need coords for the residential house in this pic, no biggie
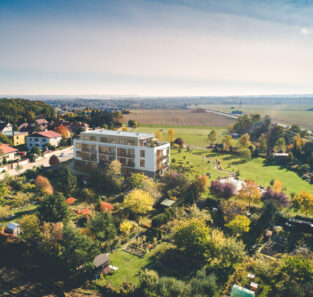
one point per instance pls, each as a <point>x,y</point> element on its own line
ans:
<point>43,138</point>
<point>6,129</point>
<point>102,264</point>
<point>137,152</point>
<point>12,228</point>
<point>19,138</point>
<point>78,127</point>
<point>43,123</point>
<point>8,153</point>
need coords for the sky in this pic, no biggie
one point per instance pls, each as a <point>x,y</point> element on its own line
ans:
<point>156,47</point>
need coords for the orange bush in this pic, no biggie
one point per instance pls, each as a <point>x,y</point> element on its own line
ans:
<point>43,185</point>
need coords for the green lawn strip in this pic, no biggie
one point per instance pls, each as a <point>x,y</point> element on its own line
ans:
<point>129,266</point>
<point>192,136</point>
<point>256,170</point>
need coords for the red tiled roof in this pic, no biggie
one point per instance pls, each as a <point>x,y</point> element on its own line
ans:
<point>41,121</point>
<point>6,149</point>
<point>49,134</point>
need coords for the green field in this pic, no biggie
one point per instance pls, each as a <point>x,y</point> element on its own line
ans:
<point>193,136</point>
<point>255,169</point>
<point>194,163</point>
<point>283,113</point>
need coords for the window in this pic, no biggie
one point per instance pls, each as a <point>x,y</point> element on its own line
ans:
<point>86,138</point>
<point>93,138</point>
<point>142,154</point>
<point>142,163</point>
<point>104,139</point>
<point>78,146</point>
<point>78,154</point>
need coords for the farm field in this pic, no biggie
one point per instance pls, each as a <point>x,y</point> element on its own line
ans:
<point>192,136</point>
<point>182,117</point>
<point>285,114</point>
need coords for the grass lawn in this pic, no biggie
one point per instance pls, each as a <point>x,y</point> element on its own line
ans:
<point>256,170</point>
<point>192,136</point>
<point>194,163</point>
<point>129,266</point>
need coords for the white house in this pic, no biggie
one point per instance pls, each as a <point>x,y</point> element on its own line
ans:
<point>40,139</point>
<point>7,152</point>
<point>6,129</point>
<point>12,228</point>
<point>137,152</point>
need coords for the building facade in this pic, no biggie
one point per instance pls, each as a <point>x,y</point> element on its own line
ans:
<point>6,129</point>
<point>8,153</point>
<point>41,139</point>
<point>19,138</point>
<point>137,152</point>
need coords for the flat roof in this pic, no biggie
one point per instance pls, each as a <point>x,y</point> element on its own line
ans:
<point>119,133</point>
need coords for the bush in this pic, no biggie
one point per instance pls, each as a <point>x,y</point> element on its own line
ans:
<point>280,198</point>
<point>222,190</point>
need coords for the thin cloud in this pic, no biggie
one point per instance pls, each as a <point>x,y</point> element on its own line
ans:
<point>305,31</point>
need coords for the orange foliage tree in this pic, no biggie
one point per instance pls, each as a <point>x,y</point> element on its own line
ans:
<point>64,131</point>
<point>277,186</point>
<point>43,185</point>
<point>250,191</point>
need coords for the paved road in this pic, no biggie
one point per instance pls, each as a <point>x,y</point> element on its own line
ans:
<point>63,156</point>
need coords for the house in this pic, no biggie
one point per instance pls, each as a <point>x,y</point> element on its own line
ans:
<point>19,138</point>
<point>137,152</point>
<point>25,127</point>
<point>12,228</point>
<point>6,129</point>
<point>43,123</point>
<point>102,264</point>
<point>8,153</point>
<point>78,127</point>
<point>43,138</point>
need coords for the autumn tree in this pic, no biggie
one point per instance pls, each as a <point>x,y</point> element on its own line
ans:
<point>244,141</point>
<point>50,236</point>
<point>64,131</point>
<point>212,137</point>
<point>280,145</point>
<point>304,202</point>
<point>239,225</point>
<point>114,168</point>
<point>30,227</point>
<point>277,186</point>
<point>170,135</point>
<point>5,212</point>
<point>250,191</point>
<point>54,161</point>
<point>126,226</point>
<point>202,183</point>
<point>227,142</point>
<point>192,237</point>
<point>139,201</point>
<point>158,134</point>
<point>43,185</point>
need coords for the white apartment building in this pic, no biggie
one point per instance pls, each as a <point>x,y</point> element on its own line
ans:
<point>137,152</point>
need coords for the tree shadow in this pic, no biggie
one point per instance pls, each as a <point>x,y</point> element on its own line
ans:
<point>239,162</point>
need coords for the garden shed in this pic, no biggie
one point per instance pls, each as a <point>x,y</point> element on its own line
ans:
<point>12,228</point>
<point>102,264</point>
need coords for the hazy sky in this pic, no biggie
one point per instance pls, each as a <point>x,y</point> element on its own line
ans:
<point>156,47</point>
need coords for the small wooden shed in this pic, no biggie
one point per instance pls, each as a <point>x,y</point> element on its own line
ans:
<point>102,264</point>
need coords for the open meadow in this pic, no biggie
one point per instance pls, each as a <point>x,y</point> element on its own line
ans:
<point>283,113</point>
<point>177,117</point>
